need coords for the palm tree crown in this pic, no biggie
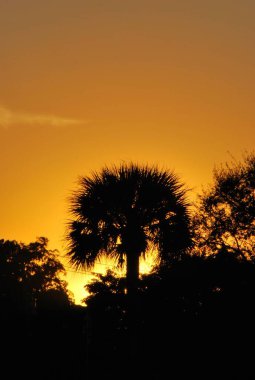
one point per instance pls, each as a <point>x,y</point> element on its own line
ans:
<point>123,211</point>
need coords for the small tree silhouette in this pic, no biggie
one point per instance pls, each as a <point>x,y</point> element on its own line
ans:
<point>27,272</point>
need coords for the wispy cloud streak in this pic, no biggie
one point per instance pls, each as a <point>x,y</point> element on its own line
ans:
<point>9,118</point>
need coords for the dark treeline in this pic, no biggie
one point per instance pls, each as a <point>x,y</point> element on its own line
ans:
<point>38,319</point>
<point>191,317</point>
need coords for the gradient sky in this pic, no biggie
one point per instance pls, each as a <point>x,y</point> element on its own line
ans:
<point>89,83</point>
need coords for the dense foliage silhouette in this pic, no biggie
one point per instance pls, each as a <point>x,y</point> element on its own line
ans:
<point>195,319</point>
<point>225,214</point>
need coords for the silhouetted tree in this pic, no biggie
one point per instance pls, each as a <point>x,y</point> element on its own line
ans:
<point>105,284</point>
<point>107,311</point>
<point>53,300</point>
<point>27,271</point>
<point>124,211</point>
<point>225,216</point>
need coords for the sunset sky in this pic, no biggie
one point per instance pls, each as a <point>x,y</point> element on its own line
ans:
<point>84,83</point>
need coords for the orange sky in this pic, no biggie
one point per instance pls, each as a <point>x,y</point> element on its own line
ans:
<point>88,83</point>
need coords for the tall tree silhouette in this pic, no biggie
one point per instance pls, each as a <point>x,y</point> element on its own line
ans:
<point>123,212</point>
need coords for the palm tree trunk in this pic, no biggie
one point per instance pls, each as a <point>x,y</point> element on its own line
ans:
<point>132,273</point>
<point>132,309</point>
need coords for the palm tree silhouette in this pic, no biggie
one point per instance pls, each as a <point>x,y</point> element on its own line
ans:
<point>122,212</point>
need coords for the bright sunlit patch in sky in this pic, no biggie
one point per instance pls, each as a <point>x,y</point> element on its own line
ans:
<point>81,277</point>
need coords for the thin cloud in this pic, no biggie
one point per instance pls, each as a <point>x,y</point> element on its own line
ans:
<point>9,118</point>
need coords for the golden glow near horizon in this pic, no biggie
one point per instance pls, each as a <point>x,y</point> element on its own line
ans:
<point>82,276</point>
<point>89,83</point>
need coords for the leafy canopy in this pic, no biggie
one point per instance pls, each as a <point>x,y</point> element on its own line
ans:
<point>225,217</point>
<point>27,272</point>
